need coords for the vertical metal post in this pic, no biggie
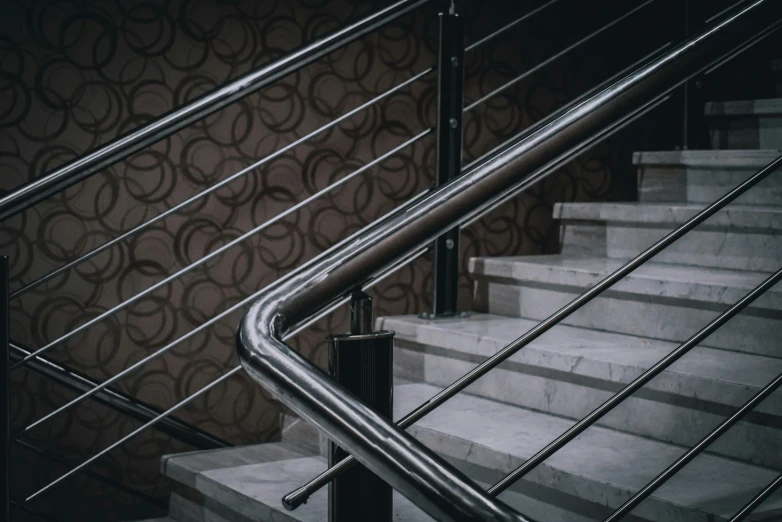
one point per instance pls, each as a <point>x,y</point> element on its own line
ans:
<point>450,92</point>
<point>5,392</point>
<point>362,361</point>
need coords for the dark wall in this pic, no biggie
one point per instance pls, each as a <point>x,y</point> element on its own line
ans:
<point>76,74</point>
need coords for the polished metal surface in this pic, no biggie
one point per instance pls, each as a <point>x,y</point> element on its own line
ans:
<point>755,503</point>
<point>696,450</point>
<point>116,400</point>
<point>215,187</point>
<point>5,394</point>
<point>122,147</point>
<point>218,251</point>
<point>408,466</point>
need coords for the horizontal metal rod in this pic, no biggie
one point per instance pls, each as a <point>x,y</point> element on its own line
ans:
<point>747,46</point>
<point>573,103</point>
<point>214,253</point>
<point>555,57</point>
<point>218,317</point>
<point>166,125</point>
<point>509,26</point>
<point>578,428</point>
<point>214,188</point>
<point>300,495</point>
<point>116,484</point>
<point>116,400</point>
<point>696,450</point>
<point>756,502</point>
<point>380,277</point>
<point>132,434</point>
<point>423,477</point>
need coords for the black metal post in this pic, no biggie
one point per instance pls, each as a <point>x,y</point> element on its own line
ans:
<point>5,393</point>
<point>450,91</point>
<point>362,361</point>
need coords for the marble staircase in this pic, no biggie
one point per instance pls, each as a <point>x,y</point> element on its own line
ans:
<point>537,394</point>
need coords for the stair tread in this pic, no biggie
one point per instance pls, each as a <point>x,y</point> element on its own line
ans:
<point>769,106</point>
<point>749,158</point>
<point>501,436</point>
<point>733,216</point>
<point>705,373</point>
<point>247,487</point>
<point>667,280</point>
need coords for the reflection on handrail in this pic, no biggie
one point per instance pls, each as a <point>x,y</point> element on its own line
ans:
<point>213,188</point>
<point>114,151</point>
<point>408,466</point>
<point>379,278</point>
<point>226,312</point>
<point>696,450</point>
<point>555,57</point>
<point>504,28</point>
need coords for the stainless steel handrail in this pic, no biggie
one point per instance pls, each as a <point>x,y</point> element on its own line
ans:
<point>217,186</point>
<point>211,255</point>
<point>120,148</point>
<point>408,466</point>
<point>298,328</point>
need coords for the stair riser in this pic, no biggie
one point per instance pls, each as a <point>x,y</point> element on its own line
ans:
<point>709,246</point>
<point>675,184</point>
<point>746,132</point>
<point>658,417</point>
<point>468,456</point>
<point>752,331</point>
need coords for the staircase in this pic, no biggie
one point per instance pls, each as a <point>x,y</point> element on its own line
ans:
<point>507,416</point>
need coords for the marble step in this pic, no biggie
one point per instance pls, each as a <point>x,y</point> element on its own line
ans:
<point>570,371</point>
<point>657,300</point>
<point>740,237</point>
<point>246,484</point>
<point>746,124</point>
<point>702,176</point>
<point>592,475</point>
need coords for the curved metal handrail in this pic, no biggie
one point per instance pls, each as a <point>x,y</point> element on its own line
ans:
<point>404,463</point>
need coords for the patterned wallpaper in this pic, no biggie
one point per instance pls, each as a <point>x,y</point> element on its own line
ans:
<point>77,73</point>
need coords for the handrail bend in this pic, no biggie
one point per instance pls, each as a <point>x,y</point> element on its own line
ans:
<point>404,463</point>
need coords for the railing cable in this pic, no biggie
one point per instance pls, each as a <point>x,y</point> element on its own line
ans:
<point>555,57</point>
<point>509,26</point>
<point>379,278</point>
<point>226,312</point>
<point>295,498</point>
<point>693,452</point>
<point>756,502</point>
<point>213,188</point>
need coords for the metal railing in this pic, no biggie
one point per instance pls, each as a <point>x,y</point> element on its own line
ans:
<point>320,286</point>
<point>382,446</point>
